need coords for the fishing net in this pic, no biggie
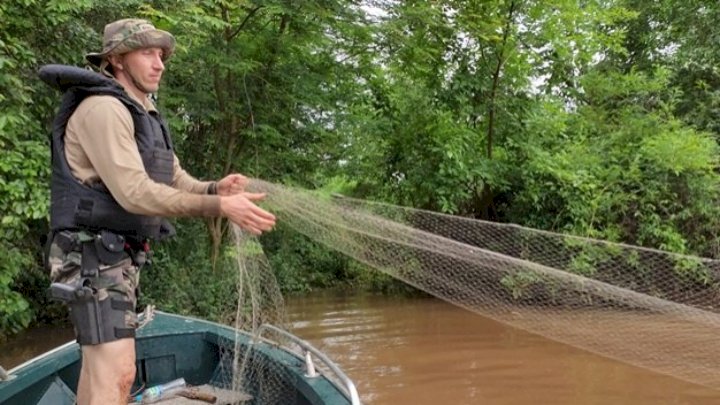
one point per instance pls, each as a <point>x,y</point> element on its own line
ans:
<point>644,307</point>
<point>244,368</point>
<point>255,373</point>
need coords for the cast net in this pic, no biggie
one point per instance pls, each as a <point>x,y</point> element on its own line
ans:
<point>260,365</point>
<point>246,369</point>
<point>640,306</point>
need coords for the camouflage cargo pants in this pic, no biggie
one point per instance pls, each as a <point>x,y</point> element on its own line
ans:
<point>118,281</point>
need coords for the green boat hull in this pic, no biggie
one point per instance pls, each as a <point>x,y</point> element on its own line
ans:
<point>171,347</point>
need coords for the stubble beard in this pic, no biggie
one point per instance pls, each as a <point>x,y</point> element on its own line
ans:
<point>138,84</point>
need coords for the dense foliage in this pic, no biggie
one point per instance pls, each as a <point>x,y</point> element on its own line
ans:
<point>598,118</point>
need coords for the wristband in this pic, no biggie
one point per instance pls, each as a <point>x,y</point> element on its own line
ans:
<point>212,188</point>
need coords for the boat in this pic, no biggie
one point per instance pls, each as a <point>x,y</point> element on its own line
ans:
<point>171,346</point>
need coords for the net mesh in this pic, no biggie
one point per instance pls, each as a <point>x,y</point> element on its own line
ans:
<point>246,369</point>
<point>253,372</point>
<point>644,307</point>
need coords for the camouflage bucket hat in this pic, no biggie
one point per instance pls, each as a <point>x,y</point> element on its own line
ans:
<point>130,34</point>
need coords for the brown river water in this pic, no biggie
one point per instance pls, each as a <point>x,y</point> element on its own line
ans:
<point>424,351</point>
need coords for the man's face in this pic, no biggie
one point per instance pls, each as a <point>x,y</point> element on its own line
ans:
<point>144,68</point>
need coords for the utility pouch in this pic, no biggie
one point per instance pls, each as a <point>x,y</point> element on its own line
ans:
<point>110,247</point>
<point>67,241</point>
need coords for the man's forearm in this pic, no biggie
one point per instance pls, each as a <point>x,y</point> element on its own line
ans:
<point>182,180</point>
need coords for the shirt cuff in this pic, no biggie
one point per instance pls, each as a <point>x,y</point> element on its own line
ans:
<point>210,206</point>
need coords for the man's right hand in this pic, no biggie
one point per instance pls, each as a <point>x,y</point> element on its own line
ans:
<point>240,209</point>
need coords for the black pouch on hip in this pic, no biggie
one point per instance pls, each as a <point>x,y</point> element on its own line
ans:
<point>110,247</point>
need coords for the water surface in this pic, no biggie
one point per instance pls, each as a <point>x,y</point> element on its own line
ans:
<point>424,351</point>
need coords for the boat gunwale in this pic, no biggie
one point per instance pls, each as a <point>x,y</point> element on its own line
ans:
<point>39,357</point>
<point>70,352</point>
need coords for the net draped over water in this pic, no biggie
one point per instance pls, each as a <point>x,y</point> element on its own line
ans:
<point>644,307</point>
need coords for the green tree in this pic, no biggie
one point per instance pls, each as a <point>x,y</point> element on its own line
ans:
<point>621,167</point>
<point>460,79</point>
<point>31,34</point>
<point>681,36</point>
<point>256,87</point>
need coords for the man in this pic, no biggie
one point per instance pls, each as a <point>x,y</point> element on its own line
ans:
<point>115,177</point>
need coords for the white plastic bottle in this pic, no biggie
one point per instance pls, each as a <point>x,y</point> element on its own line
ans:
<point>160,392</point>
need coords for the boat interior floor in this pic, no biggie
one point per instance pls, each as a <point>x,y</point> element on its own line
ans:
<point>223,396</point>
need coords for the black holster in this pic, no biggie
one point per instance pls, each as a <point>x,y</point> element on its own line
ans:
<point>95,321</point>
<point>100,321</point>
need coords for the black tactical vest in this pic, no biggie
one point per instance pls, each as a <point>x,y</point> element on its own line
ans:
<point>74,205</point>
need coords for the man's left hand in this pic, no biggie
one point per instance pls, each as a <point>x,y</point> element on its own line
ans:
<point>232,184</point>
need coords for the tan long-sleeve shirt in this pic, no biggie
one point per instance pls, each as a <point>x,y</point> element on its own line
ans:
<point>100,145</point>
